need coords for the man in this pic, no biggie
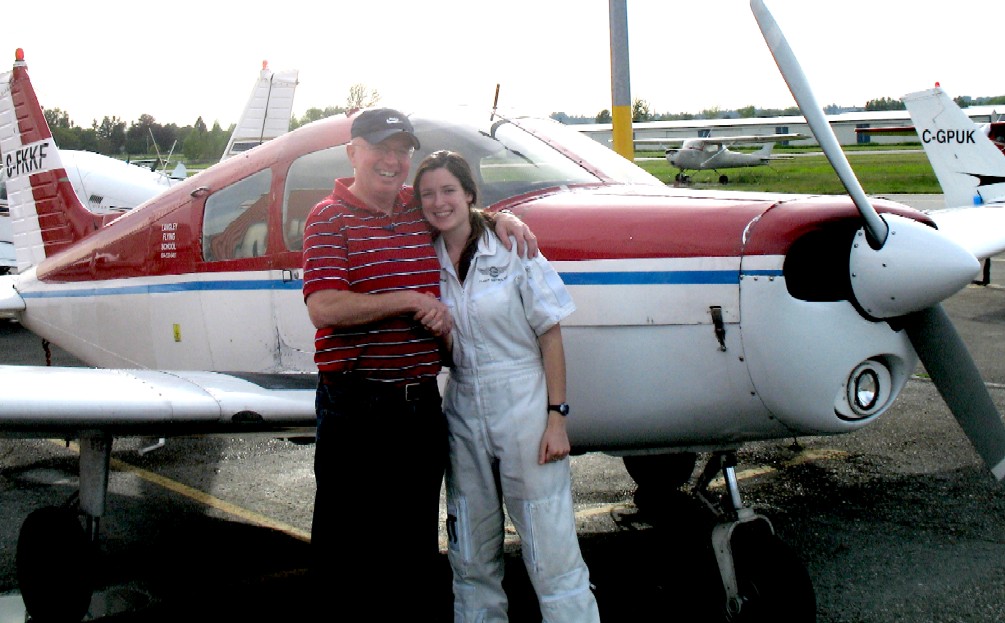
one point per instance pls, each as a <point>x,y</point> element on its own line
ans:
<point>371,285</point>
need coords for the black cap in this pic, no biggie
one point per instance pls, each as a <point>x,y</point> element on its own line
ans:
<point>377,124</point>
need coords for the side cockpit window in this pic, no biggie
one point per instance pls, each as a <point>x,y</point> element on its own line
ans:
<point>310,180</point>
<point>235,220</point>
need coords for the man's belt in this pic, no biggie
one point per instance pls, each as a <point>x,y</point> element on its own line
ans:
<point>362,386</point>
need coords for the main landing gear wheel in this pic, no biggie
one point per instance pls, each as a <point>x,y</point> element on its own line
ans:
<point>772,583</point>
<point>723,180</point>
<point>53,554</point>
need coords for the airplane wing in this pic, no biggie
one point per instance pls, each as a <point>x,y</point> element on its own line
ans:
<point>661,141</point>
<point>895,130</point>
<point>698,141</point>
<point>757,138</point>
<point>151,402</point>
<point>980,230</point>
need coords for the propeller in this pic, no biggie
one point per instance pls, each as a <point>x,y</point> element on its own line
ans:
<point>926,268</point>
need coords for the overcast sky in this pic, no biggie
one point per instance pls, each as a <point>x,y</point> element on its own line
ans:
<point>182,59</point>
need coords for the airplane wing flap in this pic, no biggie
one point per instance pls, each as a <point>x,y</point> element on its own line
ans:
<point>980,230</point>
<point>41,401</point>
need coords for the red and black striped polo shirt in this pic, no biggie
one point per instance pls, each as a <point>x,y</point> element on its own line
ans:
<point>348,246</point>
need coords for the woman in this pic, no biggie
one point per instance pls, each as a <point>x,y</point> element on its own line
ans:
<point>505,407</point>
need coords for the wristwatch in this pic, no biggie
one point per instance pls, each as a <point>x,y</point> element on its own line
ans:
<point>563,408</point>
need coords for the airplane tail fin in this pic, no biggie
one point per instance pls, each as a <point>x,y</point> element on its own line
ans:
<point>765,149</point>
<point>267,113</point>
<point>970,169</point>
<point>46,215</point>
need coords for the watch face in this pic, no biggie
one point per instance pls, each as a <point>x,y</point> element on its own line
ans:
<point>563,408</point>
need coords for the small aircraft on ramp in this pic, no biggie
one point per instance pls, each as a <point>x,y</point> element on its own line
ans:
<point>714,153</point>
<point>705,320</point>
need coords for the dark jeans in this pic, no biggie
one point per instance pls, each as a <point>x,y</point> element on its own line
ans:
<point>378,463</point>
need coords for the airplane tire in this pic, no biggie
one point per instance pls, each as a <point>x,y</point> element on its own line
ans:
<point>53,563</point>
<point>774,584</point>
<point>723,180</point>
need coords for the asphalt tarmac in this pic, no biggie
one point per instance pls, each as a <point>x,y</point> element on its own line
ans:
<point>897,522</point>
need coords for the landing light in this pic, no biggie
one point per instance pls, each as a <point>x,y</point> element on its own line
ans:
<point>866,391</point>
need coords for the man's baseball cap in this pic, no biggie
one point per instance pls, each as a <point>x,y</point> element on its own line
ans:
<point>377,124</point>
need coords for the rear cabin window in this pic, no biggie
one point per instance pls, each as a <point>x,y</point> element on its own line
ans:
<point>310,179</point>
<point>235,222</point>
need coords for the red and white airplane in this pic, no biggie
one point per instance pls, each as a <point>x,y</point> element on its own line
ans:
<point>104,184</point>
<point>706,319</point>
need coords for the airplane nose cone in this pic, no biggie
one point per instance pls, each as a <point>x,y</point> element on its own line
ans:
<point>916,268</point>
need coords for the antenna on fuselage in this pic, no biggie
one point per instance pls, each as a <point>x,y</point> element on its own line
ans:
<point>495,103</point>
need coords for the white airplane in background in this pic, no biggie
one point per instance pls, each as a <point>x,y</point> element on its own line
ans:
<point>704,319</point>
<point>968,158</point>
<point>108,185</point>
<point>969,165</point>
<point>714,153</point>
<point>267,114</point>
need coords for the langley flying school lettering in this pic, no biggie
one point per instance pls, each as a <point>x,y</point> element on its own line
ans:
<point>27,160</point>
<point>944,137</point>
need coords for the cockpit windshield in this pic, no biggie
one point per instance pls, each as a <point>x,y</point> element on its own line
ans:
<point>510,158</point>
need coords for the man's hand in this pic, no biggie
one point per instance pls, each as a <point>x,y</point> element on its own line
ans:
<point>434,315</point>
<point>509,225</point>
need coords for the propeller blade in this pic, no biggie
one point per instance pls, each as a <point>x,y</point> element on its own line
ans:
<point>932,334</point>
<point>792,72</point>
<point>954,373</point>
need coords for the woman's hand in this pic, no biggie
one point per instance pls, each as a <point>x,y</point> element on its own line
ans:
<point>555,441</point>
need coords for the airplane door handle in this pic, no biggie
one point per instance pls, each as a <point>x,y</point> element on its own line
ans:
<point>720,328</point>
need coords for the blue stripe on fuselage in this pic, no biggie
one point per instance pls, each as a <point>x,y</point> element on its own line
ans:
<point>614,278</point>
<point>681,277</point>
<point>162,288</point>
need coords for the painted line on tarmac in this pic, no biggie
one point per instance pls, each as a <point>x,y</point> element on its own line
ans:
<point>199,496</point>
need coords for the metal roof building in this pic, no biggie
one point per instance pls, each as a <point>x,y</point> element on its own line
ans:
<point>844,125</point>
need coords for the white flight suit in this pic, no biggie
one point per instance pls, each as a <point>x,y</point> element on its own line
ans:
<point>496,407</point>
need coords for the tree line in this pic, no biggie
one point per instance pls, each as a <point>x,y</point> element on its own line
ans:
<point>199,143</point>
